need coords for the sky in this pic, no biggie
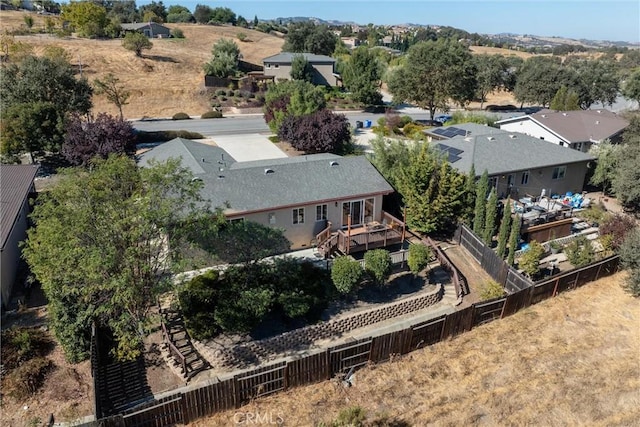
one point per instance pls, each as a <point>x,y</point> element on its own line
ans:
<point>613,20</point>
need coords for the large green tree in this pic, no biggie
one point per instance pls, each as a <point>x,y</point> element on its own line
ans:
<point>433,74</point>
<point>492,72</point>
<point>607,155</point>
<point>291,98</point>
<point>596,81</point>
<point>136,42</point>
<point>361,75</point>
<point>301,69</point>
<point>224,59</point>
<point>86,17</point>
<point>115,92</point>
<point>101,247</point>
<point>539,79</point>
<point>311,38</point>
<point>479,213</point>
<point>36,95</point>
<point>631,88</point>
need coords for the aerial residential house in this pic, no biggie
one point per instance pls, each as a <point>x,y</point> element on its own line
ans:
<point>518,165</point>
<point>575,129</point>
<point>319,200</point>
<point>16,186</point>
<point>279,66</point>
<point>149,29</point>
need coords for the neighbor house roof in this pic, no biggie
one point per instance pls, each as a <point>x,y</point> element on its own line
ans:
<point>140,25</point>
<point>199,158</point>
<point>577,126</point>
<point>15,185</point>
<point>277,183</point>
<point>500,152</point>
<point>287,58</point>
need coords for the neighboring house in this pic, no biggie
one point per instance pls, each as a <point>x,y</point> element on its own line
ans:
<point>279,66</point>
<point>149,29</point>
<point>517,164</point>
<point>578,129</point>
<point>303,195</point>
<point>16,185</point>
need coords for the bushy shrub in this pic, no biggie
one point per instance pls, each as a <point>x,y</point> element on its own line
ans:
<point>419,255</point>
<point>319,132</point>
<point>198,299</point>
<point>580,252</point>
<point>617,226</point>
<point>630,259</point>
<point>413,130</point>
<point>180,116</point>
<point>237,93</point>
<point>166,135</point>
<point>22,344</point>
<point>346,274</point>
<point>530,259</point>
<point>221,92</point>
<point>378,264</point>
<point>241,36</point>
<point>490,290</point>
<point>177,33</point>
<point>212,115</point>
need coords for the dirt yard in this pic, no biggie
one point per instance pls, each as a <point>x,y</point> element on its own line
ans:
<point>168,79</point>
<point>569,361</point>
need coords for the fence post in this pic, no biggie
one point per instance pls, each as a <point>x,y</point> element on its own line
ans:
<point>555,288</point>
<point>598,272</point>
<point>236,392</point>
<point>285,376</point>
<point>327,361</point>
<point>184,409</point>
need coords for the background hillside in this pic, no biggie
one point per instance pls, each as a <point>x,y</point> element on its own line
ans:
<point>167,80</point>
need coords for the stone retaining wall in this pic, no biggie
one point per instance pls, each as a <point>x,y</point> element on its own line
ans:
<point>289,342</point>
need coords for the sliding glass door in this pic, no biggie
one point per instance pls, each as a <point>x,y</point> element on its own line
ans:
<point>361,211</point>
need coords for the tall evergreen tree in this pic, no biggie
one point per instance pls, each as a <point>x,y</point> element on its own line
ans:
<point>490,217</point>
<point>514,239</point>
<point>470,196</point>
<point>505,226</point>
<point>482,188</point>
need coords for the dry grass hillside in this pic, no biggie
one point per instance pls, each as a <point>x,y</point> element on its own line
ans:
<point>167,80</point>
<point>569,361</point>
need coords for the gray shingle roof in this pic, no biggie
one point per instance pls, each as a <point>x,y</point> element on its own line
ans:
<point>192,154</point>
<point>15,183</point>
<point>287,58</point>
<point>293,181</point>
<point>139,25</point>
<point>578,126</point>
<point>501,152</point>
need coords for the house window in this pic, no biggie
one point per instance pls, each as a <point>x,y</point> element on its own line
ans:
<point>559,172</point>
<point>493,182</point>
<point>321,212</point>
<point>524,180</point>
<point>276,65</point>
<point>272,218</point>
<point>511,178</point>
<point>268,65</point>
<point>298,216</point>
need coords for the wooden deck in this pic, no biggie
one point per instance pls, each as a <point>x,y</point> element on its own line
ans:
<point>362,238</point>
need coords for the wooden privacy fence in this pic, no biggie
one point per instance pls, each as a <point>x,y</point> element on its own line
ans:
<point>187,405</point>
<point>496,267</point>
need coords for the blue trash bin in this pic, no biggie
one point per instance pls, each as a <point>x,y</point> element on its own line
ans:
<point>367,123</point>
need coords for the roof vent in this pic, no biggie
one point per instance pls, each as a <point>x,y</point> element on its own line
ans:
<point>564,114</point>
<point>268,171</point>
<point>490,138</point>
<point>196,178</point>
<point>220,176</point>
<point>512,136</point>
<point>599,112</point>
<point>334,163</point>
<point>544,116</point>
<point>468,139</point>
<point>597,122</point>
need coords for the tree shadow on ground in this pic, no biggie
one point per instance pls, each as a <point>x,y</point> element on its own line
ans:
<point>161,58</point>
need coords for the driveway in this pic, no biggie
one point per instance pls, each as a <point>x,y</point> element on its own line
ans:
<point>245,148</point>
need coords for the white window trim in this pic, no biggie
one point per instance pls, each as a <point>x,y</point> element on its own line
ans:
<point>297,221</point>
<point>324,209</point>
<point>524,181</point>
<point>559,175</point>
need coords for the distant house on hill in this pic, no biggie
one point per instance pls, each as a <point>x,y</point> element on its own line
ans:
<point>578,129</point>
<point>149,29</point>
<point>279,66</point>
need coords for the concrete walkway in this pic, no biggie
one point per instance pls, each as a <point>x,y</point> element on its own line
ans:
<point>245,148</point>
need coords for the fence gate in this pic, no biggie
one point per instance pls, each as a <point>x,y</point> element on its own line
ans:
<point>260,382</point>
<point>350,355</point>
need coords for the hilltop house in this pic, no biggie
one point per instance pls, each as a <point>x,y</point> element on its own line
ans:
<point>314,198</point>
<point>575,129</point>
<point>16,186</point>
<point>517,164</point>
<point>149,29</point>
<point>279,66</point>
